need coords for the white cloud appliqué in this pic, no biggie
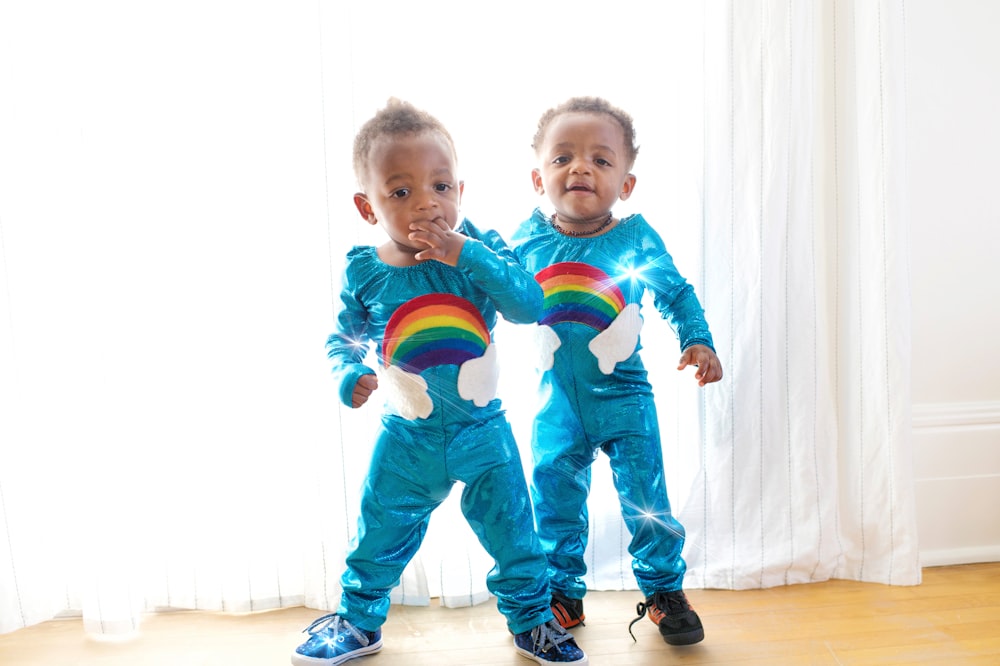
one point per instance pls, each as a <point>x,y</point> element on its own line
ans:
<point>478,377</point>
<point>546,343</point>
<point>617,342</point>
<point>405,393</point>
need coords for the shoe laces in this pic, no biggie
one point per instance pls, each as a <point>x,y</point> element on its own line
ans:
<point>546,636</point>
<point>336,624</point>
<point>666,602</point>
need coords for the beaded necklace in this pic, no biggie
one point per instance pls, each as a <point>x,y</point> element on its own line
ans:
<point>570,232</point>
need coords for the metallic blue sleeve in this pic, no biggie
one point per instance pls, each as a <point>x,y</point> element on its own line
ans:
<point>491,265</point>
<point>673,296</point>
<point>348,345</point>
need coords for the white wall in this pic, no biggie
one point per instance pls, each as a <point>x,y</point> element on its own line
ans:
<point>953,132</point>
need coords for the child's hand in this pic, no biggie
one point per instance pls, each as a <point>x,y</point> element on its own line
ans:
<point>708,364</point>
<point>443,243</point>
<point>363,389</point>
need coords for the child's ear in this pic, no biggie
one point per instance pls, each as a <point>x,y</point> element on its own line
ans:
<point>365,208</point>
<point>627,187</point>
<point>536,181</point>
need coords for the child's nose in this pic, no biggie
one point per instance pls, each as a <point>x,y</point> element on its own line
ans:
<point>427,200</point>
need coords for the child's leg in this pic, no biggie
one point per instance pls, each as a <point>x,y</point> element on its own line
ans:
<point>405,483</point>
<point>657,537</point>
<point>560,486</point>
<point>496,504</point>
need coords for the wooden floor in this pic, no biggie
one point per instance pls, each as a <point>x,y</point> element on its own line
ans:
<point>952,618</point>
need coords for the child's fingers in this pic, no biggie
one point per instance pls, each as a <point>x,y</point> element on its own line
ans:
<point>434,228</point>
<point>709,373</point>
<point>434,252</point>
<point>428,239</point>
<point>363,389</point>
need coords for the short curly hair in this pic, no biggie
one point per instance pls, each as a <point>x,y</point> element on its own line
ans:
<point>396,119</point>
<point>596,106</point>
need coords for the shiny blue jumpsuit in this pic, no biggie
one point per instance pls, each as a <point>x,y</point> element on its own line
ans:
<point>417,460</point>
<point>588,284</point>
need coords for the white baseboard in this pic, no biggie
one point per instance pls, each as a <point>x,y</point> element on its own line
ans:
<point>941,558</point>
<point>957,481</point>
<point>956,414</point>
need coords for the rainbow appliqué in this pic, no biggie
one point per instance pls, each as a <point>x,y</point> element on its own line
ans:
<point>432,330</point>
<point>578,292</point>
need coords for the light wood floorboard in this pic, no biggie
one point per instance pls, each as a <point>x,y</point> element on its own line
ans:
<point>952,618</point>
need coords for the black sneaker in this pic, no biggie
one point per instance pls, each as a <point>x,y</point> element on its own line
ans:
<point>549,643</point>
<point>673,615</point>
<point>568,612</point>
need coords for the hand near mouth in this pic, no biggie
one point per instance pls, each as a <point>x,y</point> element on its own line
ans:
<point>443,243</point>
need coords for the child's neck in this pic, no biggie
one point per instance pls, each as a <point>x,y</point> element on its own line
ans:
<point>391,254</point>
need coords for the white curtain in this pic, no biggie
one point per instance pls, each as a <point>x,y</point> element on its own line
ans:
<point>175,198</point>
<point>806,453</point>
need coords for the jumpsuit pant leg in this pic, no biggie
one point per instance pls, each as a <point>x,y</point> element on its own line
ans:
<point>657,537</point>
<point>497,506</point>
<point>404,485</point>
<point>561,478</point>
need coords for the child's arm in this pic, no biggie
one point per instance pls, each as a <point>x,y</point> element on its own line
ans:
<point>484,257</point>
<point>347,347</point>
<point>682,309</point>
<point>489,262</point>
<point>677,302</point>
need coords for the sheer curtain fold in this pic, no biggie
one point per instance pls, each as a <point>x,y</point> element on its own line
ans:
<point>171,230</point>
<point>805,472</point>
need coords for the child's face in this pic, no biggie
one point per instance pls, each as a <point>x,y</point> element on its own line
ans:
<point>583,166</point>
<point>410,179</point>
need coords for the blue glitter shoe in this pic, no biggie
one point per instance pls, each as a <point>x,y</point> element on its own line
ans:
<point>333,640</point>
<point>549,643</point>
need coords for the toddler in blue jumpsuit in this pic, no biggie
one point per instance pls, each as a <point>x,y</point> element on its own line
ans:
<point>428,298</point>
<point>593,270</point>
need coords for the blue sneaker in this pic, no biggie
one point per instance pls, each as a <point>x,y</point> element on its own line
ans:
<point>333,640</point>
<point>549,643</point>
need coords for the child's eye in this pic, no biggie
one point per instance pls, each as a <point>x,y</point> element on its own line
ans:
<point>442,187</point>
<point>602,162</point>
<point>401,193</point>
<point>562,159</point>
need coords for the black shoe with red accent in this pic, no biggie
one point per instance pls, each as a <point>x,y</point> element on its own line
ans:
<point>673,616</point>
<point>568,612</point>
